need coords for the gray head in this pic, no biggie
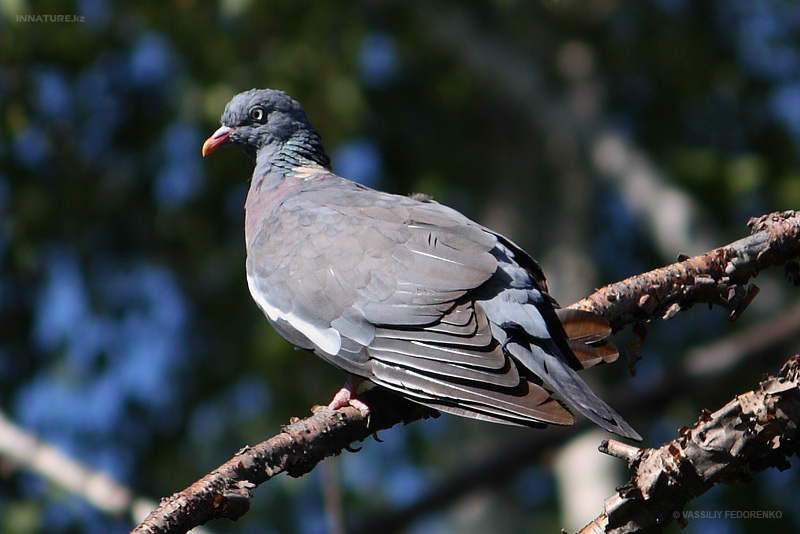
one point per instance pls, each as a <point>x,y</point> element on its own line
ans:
<point>269,122</point>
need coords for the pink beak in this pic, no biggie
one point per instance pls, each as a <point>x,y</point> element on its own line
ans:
<point>219,138</point>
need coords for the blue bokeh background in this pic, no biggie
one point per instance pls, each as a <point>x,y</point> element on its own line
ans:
<point>127,337</point>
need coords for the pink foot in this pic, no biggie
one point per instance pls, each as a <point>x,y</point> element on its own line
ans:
<point>347,397</point>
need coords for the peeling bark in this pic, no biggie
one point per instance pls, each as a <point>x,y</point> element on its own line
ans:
<point>719,277</point>
<point>753,432</point>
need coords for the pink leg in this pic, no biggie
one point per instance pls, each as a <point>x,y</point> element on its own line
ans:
<point>347,397</point>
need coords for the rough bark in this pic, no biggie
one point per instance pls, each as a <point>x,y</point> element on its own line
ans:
<point>296,450</point>
<point>720,276</point>
<point>755,431</point>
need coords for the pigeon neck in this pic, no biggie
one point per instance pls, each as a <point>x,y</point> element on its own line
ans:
<point>303,149</point>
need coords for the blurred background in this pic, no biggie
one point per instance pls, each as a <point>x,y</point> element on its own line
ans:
<point>606,137</point>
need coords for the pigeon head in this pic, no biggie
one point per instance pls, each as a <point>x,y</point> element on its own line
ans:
<point>269,124</point>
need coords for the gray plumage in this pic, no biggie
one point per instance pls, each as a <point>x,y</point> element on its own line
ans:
<point>402,291</point>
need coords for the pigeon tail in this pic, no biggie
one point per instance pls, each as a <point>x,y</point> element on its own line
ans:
<point>566,383</point>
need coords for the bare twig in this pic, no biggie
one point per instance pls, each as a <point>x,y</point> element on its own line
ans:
<point>753,432</point>
<point>620,450</point>
<point>719,276</point>
<point>300,446</point>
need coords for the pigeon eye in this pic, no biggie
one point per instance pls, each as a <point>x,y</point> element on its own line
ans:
<point>257,113</point>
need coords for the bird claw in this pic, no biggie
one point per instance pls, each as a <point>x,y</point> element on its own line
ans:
<point>345,400</point>
<point>347,397</point>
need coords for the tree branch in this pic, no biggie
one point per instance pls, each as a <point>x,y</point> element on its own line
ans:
<point>301,445</point>
<point>753,432</point>
<point>717,277</point>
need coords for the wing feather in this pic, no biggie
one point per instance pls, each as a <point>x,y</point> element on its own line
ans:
<point>529,402</point>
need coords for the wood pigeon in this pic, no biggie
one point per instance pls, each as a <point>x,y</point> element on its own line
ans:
<point>402,291</point>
